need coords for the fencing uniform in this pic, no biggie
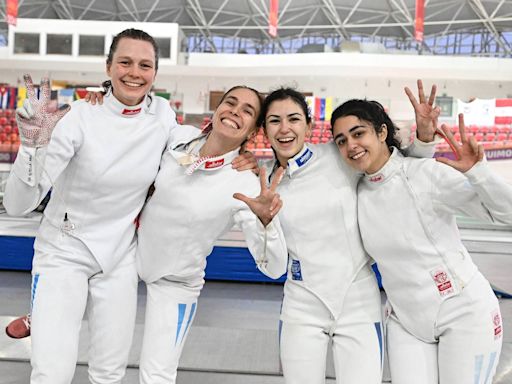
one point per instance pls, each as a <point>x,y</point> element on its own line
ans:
<point>101,161</point>
<point>445,323</point>
<point>192,206</point>
<point>331,294</point>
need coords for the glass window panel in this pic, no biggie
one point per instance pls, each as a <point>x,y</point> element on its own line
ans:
<point>58,44</point>
<point>26,43</point>
<point>164,45</point>
<point>91,45</point>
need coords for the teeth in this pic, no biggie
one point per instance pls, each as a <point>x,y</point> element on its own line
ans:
<point>358,155</point>
<point>132,84</point>
<point>285,140</point>
<point>231,123</point>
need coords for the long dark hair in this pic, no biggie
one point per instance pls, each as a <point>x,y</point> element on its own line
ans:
<point>130,33</point>
<point>372,112</point>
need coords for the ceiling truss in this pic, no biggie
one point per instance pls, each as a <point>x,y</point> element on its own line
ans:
<point>242,25</point>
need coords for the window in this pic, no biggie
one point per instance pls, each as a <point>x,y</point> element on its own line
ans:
<point>58,44</point>
<point>164,45</point>
<point>26,43</point>
<point>91,45</point>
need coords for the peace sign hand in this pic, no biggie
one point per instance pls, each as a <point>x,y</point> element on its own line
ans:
<point>426,113</point>
<point>36,120</point>
<point>268,203</point>
<point>467,153</point>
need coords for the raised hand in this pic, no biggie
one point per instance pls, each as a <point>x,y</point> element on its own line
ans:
<point>467,153</point>
<point>268,203</point>
<point>36,120</point>
<point>94,97</point>
<point>426,114</point>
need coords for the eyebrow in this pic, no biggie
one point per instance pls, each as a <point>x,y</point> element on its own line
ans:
<point>350,130</point>
<point>236,99</point>
<point>290,115</point>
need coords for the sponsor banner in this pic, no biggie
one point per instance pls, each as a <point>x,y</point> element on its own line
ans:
<point>419,20</point>
<point>490,154</point>
<point>273,18</point>
<point>6,157</point>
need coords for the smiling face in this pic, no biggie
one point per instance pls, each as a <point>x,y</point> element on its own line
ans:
<point>287,128</point>
<point>235,118</point>
<point>360,145</point>
<point>132,70</point>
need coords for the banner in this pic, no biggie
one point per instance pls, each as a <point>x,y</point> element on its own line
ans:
<point>272,18</point>
<point>420,18</point>
<point>11,11</point>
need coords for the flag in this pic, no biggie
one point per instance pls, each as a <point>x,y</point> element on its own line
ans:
<point>419,20</point>
<point>80,93</point>
<point>310,100</point>
<point>65,96</point>
<point>503,111</point>
<point>272,18</point>
<point>22,95</point>
<point>328,108</point>
<point>11,11</point>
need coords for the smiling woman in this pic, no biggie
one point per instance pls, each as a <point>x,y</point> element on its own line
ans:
<point>132,64</point>
<point>444,322</point>
<point>85,247</point>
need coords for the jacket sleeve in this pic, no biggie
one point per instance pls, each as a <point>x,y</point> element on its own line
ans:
<point>478,193</point>
<point>421,149</point>
<point>35,170</point>
<point>266,244</point>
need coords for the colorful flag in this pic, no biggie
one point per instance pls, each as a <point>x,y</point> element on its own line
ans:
<point>11,11</point>
<point>328,108</point>
<point>273,17</point>
<point>503,111</point>
<point>419,20</point>
<point>65,96</point>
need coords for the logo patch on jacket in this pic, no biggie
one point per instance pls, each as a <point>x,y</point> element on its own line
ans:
<point>214,164</point>
<point>129,112</point>
<point>295,270</point>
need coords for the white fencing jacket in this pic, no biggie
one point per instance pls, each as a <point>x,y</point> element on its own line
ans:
<point>319,221</point>
<point>101,161</point>
<point>192,206</point>
<point>407,219</point>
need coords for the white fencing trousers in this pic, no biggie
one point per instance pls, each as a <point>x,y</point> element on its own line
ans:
<point>65,279</point>
<point>356,336</point>
<point>470,335</point>
<point>170,311</point>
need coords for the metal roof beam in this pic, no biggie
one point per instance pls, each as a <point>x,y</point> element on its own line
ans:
<point>128,10</point>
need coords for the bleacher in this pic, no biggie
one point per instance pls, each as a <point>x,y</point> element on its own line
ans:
<point>496,136</point>
<point>9,136</point>
<point>260,146</point>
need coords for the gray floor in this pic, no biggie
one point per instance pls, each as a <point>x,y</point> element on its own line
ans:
<point>233,339</point>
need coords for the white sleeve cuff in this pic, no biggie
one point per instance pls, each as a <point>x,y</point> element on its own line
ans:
<point>28,165</point>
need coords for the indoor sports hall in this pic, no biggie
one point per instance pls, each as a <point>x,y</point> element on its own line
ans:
<point>330,51</point>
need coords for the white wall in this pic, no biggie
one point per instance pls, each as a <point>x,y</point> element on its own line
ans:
<point>340,75</point>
